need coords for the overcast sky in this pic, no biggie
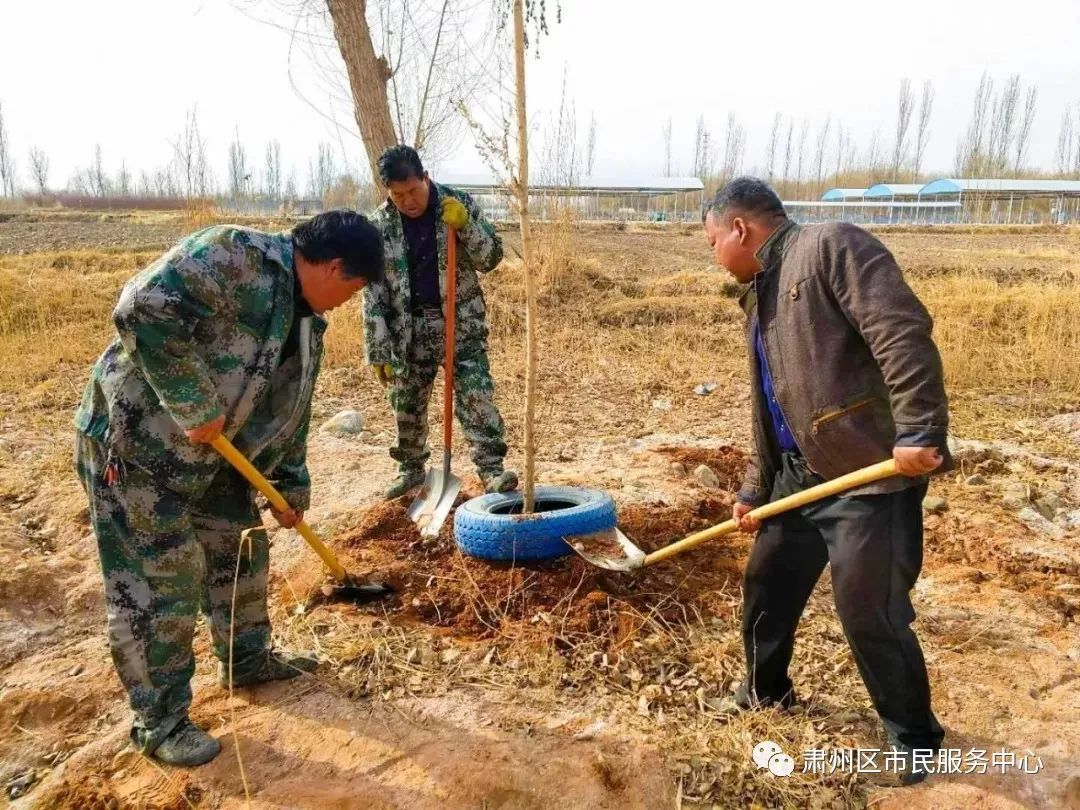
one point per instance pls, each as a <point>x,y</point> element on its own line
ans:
<point>122,73</point>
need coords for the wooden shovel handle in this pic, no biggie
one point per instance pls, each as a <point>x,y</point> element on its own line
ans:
<point>867,475</point>
<point>451,320</point>
<point>256,479</point>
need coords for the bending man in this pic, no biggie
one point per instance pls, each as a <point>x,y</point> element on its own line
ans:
<point>223,334</point>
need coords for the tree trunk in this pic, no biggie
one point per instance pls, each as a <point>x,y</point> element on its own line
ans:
<point>368,75</point>
<point>527,249</point>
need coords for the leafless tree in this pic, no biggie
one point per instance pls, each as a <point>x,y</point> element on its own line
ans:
<point>840,143</point>
<point>272,173</point>
<point>1003,126</point>
<point>190,155</point>
<point>560,158</point>
<point>770,154</point>
<point>369,73</point>
<point>239,174</point>
<point>873,157</point>
<point>1076,142</point>
<point>39,169</point>
<point>974,150</point>
<point>1023,134</point>
<point>590,145</point>
<point>99,181</point>
<point>7,162</point>
<point>787,150</point>
<point>667,147</point>
<point>922,131</point>
<point>323,172</point>
<point>290,186</point>
<point>123,180</point>
<point>819,155</point>
<point>1065,144</point>
<point>403,67</point>
<point>803,132</point>
<point>905,103</point>
<point>699,133</point>
<point>734,143</point>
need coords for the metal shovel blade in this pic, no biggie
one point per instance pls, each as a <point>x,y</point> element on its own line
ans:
<point>434,501</point>
<point>593,549</point>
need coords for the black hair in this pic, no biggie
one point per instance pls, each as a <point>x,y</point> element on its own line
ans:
<point>345,235</point>
<point>748,196</point>
<point>398,163</point>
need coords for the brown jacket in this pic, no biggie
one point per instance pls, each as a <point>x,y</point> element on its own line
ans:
<point>850,353</point>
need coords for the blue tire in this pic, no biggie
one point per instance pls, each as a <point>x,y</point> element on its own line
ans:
<point>491,527</point>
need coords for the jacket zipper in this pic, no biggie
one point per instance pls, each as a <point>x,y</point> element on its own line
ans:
<point>837,414</point>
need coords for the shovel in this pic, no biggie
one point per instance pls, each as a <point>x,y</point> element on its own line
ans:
<point>435,500</point>
<point>348,588</point>
<point>636,558</point>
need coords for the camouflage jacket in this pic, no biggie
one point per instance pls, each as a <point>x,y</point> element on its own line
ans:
<point>387,321</point>
<point>201,333</point>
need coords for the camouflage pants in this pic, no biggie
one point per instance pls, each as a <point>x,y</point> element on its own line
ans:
<point>474,400</point>
<point>162,558</point>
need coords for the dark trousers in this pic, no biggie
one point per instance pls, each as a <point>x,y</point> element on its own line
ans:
<point>874,546</point>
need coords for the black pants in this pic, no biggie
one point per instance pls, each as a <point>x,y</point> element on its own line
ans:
<point>874,544</point>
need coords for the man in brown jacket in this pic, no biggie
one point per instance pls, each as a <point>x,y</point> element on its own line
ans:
<point>844,373</point>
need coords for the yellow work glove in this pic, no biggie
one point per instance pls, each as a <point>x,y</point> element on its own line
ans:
<point>454,213</point>
<point>384,372</point>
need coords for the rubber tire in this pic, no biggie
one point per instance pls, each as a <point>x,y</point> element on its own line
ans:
<point>481,532</point>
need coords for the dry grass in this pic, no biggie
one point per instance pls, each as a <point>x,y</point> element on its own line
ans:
<point>995,336</point>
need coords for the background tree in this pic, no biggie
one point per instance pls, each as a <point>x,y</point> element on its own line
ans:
<point>272,171</point>
<point>39,170</point>
<point>922,129</point>
<point>239,173</point>
<point>189,151</point>
<point>123,180</point>
<point>734,143</point>
<point>819,156</point>
<point>1023,134</point>
<point>770,154</point>
<point>1064,144</point>
<point>904,104</point>
<point>590,145</point>
<point>99,181</point>
<point>7,162</point>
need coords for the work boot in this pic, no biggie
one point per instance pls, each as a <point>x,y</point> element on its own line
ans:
<point>270,665</point>
<point>405,482</point>
<point>499,480</point>
<point>187,746</point>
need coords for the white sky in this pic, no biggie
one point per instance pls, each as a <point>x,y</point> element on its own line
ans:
<point>122,73</point>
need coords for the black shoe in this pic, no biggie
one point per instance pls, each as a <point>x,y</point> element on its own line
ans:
<point>908,769</point>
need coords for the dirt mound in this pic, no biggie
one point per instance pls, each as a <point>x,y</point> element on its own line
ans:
<point>564,598</point>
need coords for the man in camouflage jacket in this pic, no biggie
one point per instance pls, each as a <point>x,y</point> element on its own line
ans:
<point>404,323</point>
<point>221,335</point>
